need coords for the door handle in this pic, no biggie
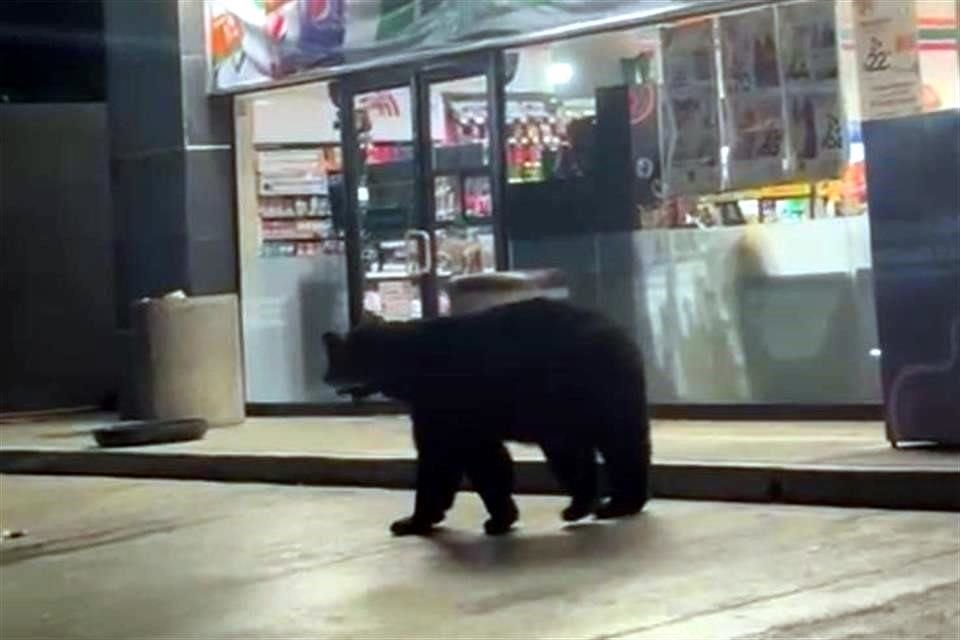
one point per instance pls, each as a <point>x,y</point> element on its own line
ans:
<point>425,264</point>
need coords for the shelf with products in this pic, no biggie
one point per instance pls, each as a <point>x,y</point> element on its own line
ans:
<point>292,194</point>
<point>465,249</point>
<point>301,248</point>
<point>295,170</point>
<point>380,152</point>
<point>538,125</point>
<point>305,239</point>
<point>539,136</point>
<point>289,229</point>
<point>294,207</point>
<point>296,217</point>
<point>777,203</point>
<point>463,197</point>
<point>380,276</point>
<point>328,154</point>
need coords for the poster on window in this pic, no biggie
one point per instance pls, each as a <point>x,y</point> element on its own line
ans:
<point>396,299</point>
<point>808,42</point>
<point>815,116</point>
<point>753,115</point>
<point>887,59</point>
<point>816,135</point>
<point>691,160</point>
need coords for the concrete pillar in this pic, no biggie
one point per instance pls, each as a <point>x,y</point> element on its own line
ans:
<point>171,155</point>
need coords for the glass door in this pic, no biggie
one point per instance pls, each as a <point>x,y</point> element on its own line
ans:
<point>458,174</point>
<point>394,248</point>
<point>420,185</point>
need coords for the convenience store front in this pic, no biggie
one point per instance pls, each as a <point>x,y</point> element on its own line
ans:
<point>695,170</point>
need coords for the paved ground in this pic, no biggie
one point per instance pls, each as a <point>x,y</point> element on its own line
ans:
<point>815,443</point>
<point>135,559</point>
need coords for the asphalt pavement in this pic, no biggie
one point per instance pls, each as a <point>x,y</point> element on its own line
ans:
<point>114,558</point>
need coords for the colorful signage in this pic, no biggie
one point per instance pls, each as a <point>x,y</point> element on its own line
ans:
<point>258,41</point>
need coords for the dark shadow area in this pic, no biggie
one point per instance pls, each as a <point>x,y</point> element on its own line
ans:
<point>609,541</point>
<point>58,347</point>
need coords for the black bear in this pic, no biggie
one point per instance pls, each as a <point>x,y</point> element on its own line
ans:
<point>538,371</point>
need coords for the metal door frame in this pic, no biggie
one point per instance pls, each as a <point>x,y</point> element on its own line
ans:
<point>418,78</point>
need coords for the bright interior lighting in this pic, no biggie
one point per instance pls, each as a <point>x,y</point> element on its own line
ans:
<point>857,152</point>
<point>875,352</point>
<point>559,73</point>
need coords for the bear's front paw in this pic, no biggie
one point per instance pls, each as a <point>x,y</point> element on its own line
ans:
<point>498,526</point>
<point>619,508</point>
<point>578,510</point>
<point>411,526</point>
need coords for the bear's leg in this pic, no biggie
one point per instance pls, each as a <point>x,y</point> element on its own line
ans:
<point>490,469</point>
<point>625,446</point>
<point>575,467</point>
<point>439,474</point>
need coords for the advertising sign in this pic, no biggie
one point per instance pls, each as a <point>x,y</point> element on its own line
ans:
<point>809,60</point>
<point>887,60</point>
<point>257,41</point>
<point>691,120</point>
<point>645,146</point>
<point>754,122</point>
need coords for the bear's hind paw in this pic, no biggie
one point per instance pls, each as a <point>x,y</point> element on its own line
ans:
<point>619,508</point>
<point>578,510</point>
<point>411,526</point>
<point>497,527</point>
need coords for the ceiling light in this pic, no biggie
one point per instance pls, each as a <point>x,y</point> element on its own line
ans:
<point>559,73</point>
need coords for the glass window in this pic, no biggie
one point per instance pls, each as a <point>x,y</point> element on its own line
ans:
<point>552,99</point>
<point>292,253</point>
<point>702,184</point>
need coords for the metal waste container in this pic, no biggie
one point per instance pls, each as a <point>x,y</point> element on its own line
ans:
<point>474,292</point>
<point>184,360</point>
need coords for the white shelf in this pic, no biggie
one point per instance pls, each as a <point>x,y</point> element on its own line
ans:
<point>292,194</point>
<point>378,276</point>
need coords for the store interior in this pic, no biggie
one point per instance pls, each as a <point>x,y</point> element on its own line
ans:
<point>759,295</point>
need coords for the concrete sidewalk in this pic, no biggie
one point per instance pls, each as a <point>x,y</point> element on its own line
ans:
<point>111,559</point>
<point>840,463</point>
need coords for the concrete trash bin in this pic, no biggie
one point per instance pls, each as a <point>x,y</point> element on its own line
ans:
<point>184,360</point>
<point>475,292</point>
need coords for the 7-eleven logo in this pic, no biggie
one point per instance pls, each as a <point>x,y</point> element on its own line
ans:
<point>382,103</point>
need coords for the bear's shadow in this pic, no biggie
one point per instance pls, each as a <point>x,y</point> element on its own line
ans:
<point>570,544</point>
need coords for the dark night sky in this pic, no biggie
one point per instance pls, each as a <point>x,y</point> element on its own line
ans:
<point>51,51</point>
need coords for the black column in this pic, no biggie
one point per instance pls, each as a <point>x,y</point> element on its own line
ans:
<point>171,155</point>
<point>912,168</point>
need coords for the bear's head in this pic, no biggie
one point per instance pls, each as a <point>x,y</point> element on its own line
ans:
<point>353,361</point>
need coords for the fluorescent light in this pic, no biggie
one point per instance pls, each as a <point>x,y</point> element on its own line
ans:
<point>857,153</point>
<point>559,73</point>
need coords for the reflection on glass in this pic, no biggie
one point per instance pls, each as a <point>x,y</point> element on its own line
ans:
<point>459,124</point>
<point>758,295</point>
<point>385,195</point>
<point>463,202</point>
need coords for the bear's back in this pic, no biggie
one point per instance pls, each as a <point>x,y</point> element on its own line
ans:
<point>524,353</point>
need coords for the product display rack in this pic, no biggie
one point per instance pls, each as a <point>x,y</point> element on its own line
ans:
<point>294,212</point>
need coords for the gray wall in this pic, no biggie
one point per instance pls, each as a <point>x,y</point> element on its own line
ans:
<point>57,345</point>
<point>171,155</point>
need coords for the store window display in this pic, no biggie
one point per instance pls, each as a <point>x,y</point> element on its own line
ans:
<point>745,271</point>
<point>292,247</point>
<point>463,199</point>
<point>387,202</point>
